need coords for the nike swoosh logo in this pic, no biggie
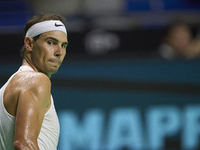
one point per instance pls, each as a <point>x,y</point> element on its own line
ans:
<point>58,25</point>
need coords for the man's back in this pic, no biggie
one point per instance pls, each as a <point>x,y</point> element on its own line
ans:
<point>7,125</point>
<point>19,98</point>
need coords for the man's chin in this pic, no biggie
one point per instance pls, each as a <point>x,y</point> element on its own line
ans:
<point>53,70</point>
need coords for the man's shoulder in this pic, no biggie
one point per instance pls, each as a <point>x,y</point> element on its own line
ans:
<point>31,79</point>
<point>23,85</point>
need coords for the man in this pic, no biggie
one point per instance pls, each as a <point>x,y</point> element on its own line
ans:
<point>177,42</point>
<point>28,120</point>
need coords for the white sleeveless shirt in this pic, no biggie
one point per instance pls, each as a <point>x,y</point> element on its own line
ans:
<point>50,130</point>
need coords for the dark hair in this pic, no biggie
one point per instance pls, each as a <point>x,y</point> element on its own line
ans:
<point>39,18</point>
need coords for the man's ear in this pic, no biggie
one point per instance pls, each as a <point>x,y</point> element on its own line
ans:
<point>28,43</point>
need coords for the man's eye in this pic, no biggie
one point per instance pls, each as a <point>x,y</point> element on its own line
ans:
<point>50,42</point>
<point>64,46</point>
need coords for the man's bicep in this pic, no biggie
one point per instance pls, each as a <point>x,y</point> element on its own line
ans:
<point>29,116</point>
<point>31,108</point>
<point>32,104</point>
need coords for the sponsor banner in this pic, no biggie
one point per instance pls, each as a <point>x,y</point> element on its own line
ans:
<point>117,105</point>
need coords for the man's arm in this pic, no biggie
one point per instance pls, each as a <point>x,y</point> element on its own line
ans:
<point>33,102</point>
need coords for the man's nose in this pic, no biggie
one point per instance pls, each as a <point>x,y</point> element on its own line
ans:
<point>59,50</point>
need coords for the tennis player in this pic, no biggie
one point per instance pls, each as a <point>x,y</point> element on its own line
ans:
<point>28,119</point>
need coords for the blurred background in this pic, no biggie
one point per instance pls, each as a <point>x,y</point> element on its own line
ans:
<point>131,76</point>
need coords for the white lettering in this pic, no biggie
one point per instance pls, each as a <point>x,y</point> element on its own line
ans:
<point>75,134</point>
<point>191,129</point>
<point>162,122</point>
<point>125,129</point>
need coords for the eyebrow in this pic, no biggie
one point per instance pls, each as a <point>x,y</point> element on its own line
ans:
<point>54,39</point>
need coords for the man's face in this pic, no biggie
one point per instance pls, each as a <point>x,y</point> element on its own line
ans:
<point>49,51</point>
<point>180,39</point>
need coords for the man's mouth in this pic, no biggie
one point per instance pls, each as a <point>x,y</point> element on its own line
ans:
<point>55,61</point>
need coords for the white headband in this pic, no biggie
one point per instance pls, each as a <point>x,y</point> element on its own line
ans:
<point>45,26</point>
